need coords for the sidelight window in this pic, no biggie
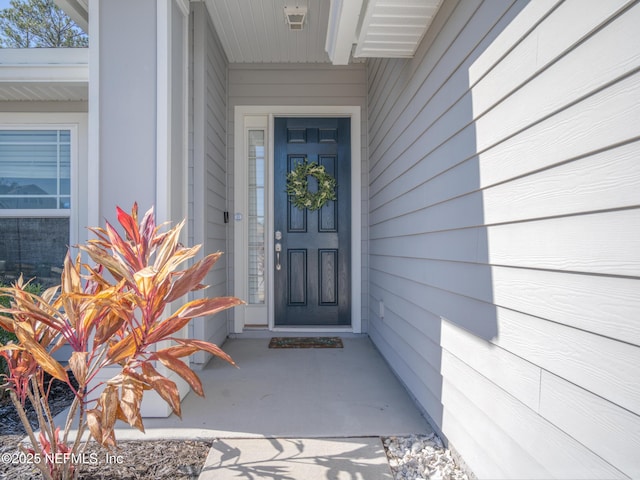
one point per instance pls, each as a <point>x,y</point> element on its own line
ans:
<point>256,217</point>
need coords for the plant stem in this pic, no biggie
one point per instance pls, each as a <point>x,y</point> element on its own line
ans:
<point>80,432</point>
<point>44,400</point>
<point>35,397</point>
<point>27,426</point>
<point>70,415</point>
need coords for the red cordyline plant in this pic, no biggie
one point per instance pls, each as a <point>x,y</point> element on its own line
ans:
<point>112,314</point>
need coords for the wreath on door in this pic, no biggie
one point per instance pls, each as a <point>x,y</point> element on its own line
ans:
<point>298,186</point>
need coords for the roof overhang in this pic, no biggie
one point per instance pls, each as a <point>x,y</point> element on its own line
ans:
<point>78,11</point>
<point>44,74</point>
<point>377,28</point>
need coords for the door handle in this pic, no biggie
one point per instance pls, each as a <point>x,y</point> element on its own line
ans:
<point>278,250</point>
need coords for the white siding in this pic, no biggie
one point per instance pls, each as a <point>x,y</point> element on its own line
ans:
<point>304,85</point>
<point>504,195</point>
<point>208,171</point>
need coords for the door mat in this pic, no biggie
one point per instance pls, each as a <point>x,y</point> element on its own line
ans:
<point>306,342</point>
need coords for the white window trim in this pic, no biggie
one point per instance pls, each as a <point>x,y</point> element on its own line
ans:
<point>75,123</point>
<point>250,314</point>
<point>240,278</point>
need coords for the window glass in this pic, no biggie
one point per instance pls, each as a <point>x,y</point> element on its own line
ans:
<point>35,177</point>
<point>256,218</point>
<point>33,247</point>
<point>35,169</point>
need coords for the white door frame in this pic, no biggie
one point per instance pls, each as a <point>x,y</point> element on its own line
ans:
<point>240,209</point>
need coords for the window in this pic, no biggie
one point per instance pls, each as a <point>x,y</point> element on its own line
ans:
<point>35,169</point>
<point>35,202</point>
<point>256,217</point>
<point>251,224</point>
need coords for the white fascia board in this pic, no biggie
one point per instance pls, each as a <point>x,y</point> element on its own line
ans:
<point>44,56</point>
<point>78,11</point>
<point>44,74</point>
<point>56,65</point>
<point>344,16</point>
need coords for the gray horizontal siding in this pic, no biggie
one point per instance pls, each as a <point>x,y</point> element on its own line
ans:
<point>209,175</point>
<point>304,85</point>
<point>505,233</point>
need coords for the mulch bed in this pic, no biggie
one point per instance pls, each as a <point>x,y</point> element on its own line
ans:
<point>60,398</point>
<point>164,459</point>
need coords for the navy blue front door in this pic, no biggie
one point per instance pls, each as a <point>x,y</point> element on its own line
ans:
<point>313,283</point>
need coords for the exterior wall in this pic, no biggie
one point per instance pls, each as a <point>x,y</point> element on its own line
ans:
<point>208,164</point>
<point>124,109</point>
<point>138,120</point>
<point>137,111</point>
<point>302,85</point>
<point>505,233</point>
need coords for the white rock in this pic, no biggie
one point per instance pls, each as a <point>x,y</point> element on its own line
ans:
<point>419,457</point>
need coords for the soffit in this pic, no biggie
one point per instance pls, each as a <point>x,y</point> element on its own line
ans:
<point>43,74</point>
<point>394,28</point>
<point>78,10</point>
<point>33,92</point>
<point>255,31</point>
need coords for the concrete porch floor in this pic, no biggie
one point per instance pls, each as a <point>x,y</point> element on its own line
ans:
<point>291,414</point>
<point>292,393</point>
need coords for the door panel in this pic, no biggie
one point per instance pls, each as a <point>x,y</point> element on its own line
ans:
<point>312,285</point>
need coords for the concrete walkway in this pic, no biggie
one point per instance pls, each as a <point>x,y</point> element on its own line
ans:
<point>297,459</point>
<point>294,413</point>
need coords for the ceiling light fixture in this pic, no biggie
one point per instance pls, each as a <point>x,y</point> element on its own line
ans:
<point>295,17</point>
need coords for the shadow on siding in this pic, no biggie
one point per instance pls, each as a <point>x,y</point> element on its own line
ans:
<point>429,265</point>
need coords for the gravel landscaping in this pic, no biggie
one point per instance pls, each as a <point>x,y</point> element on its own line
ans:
<point>420,457</point>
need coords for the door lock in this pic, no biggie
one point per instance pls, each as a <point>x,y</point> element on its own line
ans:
<point>278,250</point>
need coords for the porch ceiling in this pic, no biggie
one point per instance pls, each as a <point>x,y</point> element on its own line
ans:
<point>255,31</point>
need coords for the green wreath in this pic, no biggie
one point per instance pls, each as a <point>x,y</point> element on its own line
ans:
<point>298,186</point>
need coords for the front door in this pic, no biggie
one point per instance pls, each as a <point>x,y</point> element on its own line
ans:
<point>312,278</point>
